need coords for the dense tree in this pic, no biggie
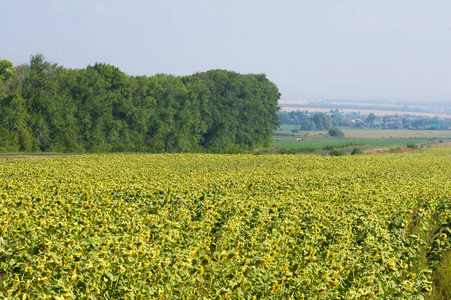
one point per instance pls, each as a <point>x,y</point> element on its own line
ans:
<point>370,119</point>
<point>243,110</point>
<point>6,72</point>
<point>45,107</point>
<point>322,121</point>
<point>336,132</point>
<point>301,118</point>
<point>14,132</point>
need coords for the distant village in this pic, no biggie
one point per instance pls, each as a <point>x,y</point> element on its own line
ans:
<point>309,120</point>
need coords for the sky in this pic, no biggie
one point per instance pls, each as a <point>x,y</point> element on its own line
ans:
<point>311,49</point>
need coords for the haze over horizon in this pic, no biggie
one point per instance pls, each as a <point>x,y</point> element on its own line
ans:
<point>350,49</point>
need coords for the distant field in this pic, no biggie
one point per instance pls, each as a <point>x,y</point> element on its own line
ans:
<point>289,142</point>
<point>367,137</point>
<point>397,134</point>
<point>371,133</point>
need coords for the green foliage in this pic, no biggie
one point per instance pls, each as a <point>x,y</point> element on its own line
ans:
<point>443,275</point>
<point>244,112</point>
<point>322,121</point>
<point>6,71</point>
<point>330,147</point>
<point>356,151</point>
<point>336,132</point>
<point>395,149</point>
<point>45,107</point>
<point>370,119</point>
<point>296,150</point>
<point>337,152</point>
<point>412,146</point>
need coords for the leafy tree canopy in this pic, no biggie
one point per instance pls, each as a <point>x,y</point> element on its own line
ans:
<point>46,107</point>
<point>336,132</point>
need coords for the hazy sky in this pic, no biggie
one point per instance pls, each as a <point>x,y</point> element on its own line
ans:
<point>311,49</point>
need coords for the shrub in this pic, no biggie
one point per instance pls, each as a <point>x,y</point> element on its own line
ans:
<point>356,151</point>
<point>335,132</point>
<point>329,148</point>
<point>296,150</point>
<point>337,152</point>
<point>412,145</point>
<point>395,149</point>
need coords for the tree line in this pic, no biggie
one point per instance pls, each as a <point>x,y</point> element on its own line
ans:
<point>45,107</point>
<point>323,121</point>
<point>308,122</point>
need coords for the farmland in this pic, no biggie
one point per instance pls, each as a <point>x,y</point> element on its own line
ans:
<point>323,142</point>
<point>285,138</point>
<point>192,226</point>
<point>372,133</point>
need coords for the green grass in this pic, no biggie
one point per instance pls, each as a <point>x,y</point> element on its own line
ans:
<point>287,127</point>
<point>17,156</point>
<point>443,276</point>
<point>365,137</point>
<point>286,142</point>
<point>370,133</point>
<point>397,134</point>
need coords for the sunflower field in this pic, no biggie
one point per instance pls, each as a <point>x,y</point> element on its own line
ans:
<point>197,226</point>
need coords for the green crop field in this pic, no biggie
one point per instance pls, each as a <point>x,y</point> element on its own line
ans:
<point>397,134</point>
<point>286,142</point>
<point>285,138</point>
<point>369,133</point>
<point>197,226</point>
